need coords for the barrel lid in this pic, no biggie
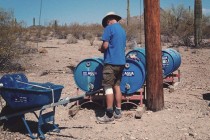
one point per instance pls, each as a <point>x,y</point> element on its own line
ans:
<point>137,54</point>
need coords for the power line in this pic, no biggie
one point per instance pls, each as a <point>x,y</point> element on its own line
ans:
<point>39,28</point>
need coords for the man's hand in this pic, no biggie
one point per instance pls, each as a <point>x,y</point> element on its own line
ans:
<point>100,49</point>
<point>103,47</point>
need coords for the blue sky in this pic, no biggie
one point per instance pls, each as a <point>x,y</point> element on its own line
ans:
<point>82,11</point>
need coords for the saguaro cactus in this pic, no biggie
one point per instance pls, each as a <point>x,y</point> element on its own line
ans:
<point>34,22</point>
<point>197,22</point>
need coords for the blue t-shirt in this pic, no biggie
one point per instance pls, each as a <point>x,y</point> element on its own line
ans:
<point>116,36</point>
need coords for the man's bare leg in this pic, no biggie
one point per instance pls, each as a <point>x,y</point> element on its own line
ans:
<point>118,96</point>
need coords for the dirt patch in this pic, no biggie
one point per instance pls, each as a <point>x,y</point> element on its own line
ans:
<point>186,113</point>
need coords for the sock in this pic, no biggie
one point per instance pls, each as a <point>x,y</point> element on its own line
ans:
<point>118,110</point>
<point>109,112</point>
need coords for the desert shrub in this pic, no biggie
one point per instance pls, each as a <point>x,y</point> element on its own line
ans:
<point>71,39</point>
<point>206,27</point>
<point>85,31</point>
<point>77,30</point>
<point>90,37</point>
<point>179,21</point>
<point>94,29</point>
<point>45,32</point>
<point>132,31</point>
<point>35,34</point>
<point>58,31</point>
<point>135,30</point>
<point>206,32</point>
<point>10,30</point>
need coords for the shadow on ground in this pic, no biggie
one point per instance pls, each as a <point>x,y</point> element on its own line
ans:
<point>206,96</point>
<point>15,124</point>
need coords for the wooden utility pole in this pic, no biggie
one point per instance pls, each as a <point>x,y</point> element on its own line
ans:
<point>128,12</point>
<point>154,80</point>
<point>140,22</point>
<point>197,22</point>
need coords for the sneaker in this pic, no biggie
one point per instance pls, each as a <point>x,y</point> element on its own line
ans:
<point>117,116</point>
<point>105,119</point>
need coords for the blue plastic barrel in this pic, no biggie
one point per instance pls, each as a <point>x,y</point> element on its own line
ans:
<point>88,74</point>
<point>171,60</point>
<point>138,54</point>
<point>133,77</point>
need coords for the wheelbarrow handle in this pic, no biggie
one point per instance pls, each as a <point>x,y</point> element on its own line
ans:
<point>64,101</point>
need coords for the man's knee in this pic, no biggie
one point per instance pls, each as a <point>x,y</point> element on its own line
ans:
<point>108,90</point>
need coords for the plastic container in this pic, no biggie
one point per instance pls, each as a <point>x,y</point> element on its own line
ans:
<point>88,74</point>
<point>171,61</point>
<point>133,77</point>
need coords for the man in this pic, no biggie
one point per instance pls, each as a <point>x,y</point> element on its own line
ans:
<point>113,47</point>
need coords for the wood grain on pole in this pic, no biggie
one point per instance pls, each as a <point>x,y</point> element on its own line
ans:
<point>154,80</point>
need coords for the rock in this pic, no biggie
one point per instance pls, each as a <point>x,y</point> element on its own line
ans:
<point>139,112</point>
<point>132,138</point>
<point>171,88</point>
<point>42,50</point>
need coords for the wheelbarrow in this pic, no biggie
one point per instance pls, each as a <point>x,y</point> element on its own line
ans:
<point>23,97</point>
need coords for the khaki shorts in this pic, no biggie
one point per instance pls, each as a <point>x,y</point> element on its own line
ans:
<point>112,74</point>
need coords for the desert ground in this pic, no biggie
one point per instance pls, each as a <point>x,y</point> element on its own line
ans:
<point>186,113</point>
